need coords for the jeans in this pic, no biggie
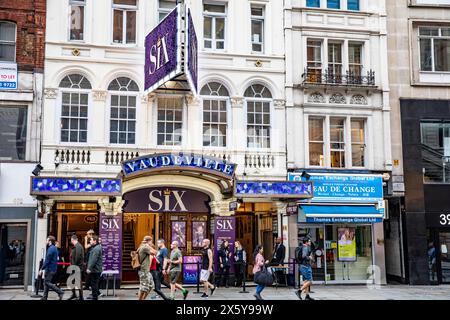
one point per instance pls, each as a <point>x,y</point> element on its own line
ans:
<point>260,288</point>
<point>224,276</point>
<point>157,280</point>
<point>95,277</point>
<point>239,273</point>
<point>48,285</point>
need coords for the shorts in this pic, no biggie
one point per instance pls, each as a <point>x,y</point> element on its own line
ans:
<point>204,275</point>
<point>306,272</point>
<point>145,281</point>
<point>174,276</point>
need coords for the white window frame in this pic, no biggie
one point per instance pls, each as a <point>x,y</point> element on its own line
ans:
<point>213,16</point>
<point>262,20</point>
<point>270,101</point>
<point>163,10</point>
<point>227,106</point>
<point>28,146</point>
<point>347,140</point>
<point>184,133</point>
<point>124,9</point>
<point>324,140</point>
<point>59,116</point>
<point>432,38</point>
<point>80,3</point>
<point>10,42</point>
<point>108,118</point>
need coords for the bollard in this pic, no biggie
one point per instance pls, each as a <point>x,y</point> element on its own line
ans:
<point>198,278</point>
<point>244,279</point>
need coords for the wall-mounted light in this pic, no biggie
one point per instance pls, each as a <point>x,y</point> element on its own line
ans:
<point>37,170</point>
<point>305,175</point>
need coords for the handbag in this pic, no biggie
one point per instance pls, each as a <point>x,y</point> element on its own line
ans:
<point>264,277</point>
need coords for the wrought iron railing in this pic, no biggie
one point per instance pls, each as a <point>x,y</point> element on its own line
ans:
<point>328,77</point>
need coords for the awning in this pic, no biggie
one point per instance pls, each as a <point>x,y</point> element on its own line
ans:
<point>336,213</point>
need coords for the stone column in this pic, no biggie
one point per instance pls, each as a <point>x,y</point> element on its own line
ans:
<point>283,225</point>
<point>99,110</point>
<point>42,231</point>
<point>111,208</point>
<point>194,130</point>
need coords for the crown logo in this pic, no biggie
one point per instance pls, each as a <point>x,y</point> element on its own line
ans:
<point>167,192</point>
<point>158,43</point>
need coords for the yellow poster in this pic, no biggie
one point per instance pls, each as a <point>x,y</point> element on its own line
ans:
<point>346,244</point>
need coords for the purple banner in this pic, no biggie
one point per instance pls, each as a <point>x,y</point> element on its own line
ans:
<point>192,56</point>
<point>111,235</point>
<point>162,52</point>
<point>224,229</point>
<point>190,272</point>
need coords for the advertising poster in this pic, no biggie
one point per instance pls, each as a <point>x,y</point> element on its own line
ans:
<point>190,266</point>
<point>179,233</point>
<point>198,233</point>
<point>346,244</point>
<point>111,235</point>
<point>225,229</point>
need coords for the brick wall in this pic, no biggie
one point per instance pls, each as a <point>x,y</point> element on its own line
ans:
<point>29,16</point>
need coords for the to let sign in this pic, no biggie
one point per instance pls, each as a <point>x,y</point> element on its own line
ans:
<point>8,76</point>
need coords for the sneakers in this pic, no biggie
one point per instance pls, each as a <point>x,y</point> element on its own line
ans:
<point>258,296</point>
<point>298,293</point>
<point>204,295</point>
<point>185,294</point>
<point>212,290</point>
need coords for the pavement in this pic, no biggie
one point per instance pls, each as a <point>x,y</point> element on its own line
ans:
<point>320,292</point>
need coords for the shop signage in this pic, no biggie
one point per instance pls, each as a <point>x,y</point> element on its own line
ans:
<point>190,269</point>
<point>329,220</point>
<point>291,209</point>
<point>225,229</point>
<point>280,189</point>
<point>191,64</point>
<point>163,51</point>
<point>166,199</point>
<point>111,235</point>
<point>75,186</point>
<point>8,76</point>
<point>90,219</point>
<point>438,220</point>
<point>344,188</point>
<point>180,161</point>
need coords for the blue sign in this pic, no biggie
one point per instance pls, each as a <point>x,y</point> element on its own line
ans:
<point>281,189</point>
<point>342,220</point>
<point>179,161</point>
<point>344,188</point>
<point>64,186</point>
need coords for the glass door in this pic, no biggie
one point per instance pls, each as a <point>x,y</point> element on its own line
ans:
<point>316,233</point>
<point>13,239</point>
<point>444,241</point>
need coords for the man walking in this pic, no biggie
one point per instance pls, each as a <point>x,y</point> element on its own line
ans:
<point>163,261</point>
<point>95,266</point>
<point>49,268</point>
<point>278,256</point>
<point>207,261</point>
<point>77,259</point>
<point>303,255</point>
<point>145,278</point>
<point>176,260</point>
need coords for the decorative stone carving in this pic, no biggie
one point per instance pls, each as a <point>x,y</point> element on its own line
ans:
<point>193,100</point>
<point>279,103</point>
<point>316,97</point>
<point>358,99</point>
<point>50,93</point>
<point>99,95</point>
<point>111,208</point>
<point>220,208</point>
<point>237,102</point>
<point>337,98</point>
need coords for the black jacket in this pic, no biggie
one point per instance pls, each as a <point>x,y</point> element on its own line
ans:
<point>95,263</point>
<point>279,253</point>
<point>77,256</point>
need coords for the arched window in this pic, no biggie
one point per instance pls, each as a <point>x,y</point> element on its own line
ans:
<point>258,99</point>
<point>124,93</point>
<point>215,99</point>
<point>74,111</point>
<point>7,41</point>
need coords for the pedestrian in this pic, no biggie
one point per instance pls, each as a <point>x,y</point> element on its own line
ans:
<point>176,260</point>
<point>207,262</point>
<point>224,263</point>
<point>304,258</point>
<point>145,258</point>
<point>258,266</point>
<point>87,248</point>
<point>60,270</point>
<point>163,261</point>
<point>95,266</point>
<point>49,269</point>
<point>155,273</point>
<point>77,259</point>
<point>240,261</point>
<point>278,256</point>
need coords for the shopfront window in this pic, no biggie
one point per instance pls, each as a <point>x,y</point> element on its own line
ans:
<point>435,142</point>
<point>348,252</point>
<point>13,252</point>
<point>13,132</point>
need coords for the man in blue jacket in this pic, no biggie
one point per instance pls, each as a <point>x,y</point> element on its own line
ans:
<point>49,267</point>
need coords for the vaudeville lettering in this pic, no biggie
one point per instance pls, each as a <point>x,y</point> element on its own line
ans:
<point>158,161</point>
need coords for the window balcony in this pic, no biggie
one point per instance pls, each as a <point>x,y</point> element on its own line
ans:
<point>317,77</point>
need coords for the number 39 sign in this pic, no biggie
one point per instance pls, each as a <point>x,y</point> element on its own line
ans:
<point>438,220</point>
<point>444,219</point>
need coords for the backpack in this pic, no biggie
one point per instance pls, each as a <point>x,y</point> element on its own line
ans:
<point>135,261</point>
<point>299,255</point>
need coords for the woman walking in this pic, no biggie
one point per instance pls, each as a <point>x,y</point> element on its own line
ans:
<point>240,260</point>
<point>258,266</point>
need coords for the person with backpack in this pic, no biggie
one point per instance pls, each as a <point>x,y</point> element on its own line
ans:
<point>304,258</point>
<point>258,267</point>
<point>144,257</point>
